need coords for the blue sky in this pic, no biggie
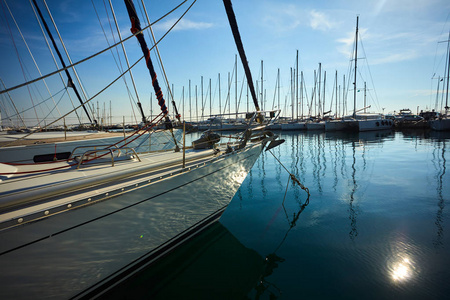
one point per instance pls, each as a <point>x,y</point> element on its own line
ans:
<point>399,56</point>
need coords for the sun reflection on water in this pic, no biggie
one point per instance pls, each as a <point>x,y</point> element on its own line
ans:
<point>402,270</point>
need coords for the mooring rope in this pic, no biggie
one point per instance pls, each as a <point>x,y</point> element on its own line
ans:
<point>293,178</point>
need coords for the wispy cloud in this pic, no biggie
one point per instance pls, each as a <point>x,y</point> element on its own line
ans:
<point>283,18</point>
<point>320,21</point>
<point>346,43</point>
<point>184,24</point>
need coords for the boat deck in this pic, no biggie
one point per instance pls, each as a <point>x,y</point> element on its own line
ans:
<point>23,194</point>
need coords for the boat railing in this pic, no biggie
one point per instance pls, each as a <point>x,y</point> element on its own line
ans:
<point>98,153</point>
<point>72,155</point>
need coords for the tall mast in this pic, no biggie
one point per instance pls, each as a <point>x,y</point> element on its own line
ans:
<point>301,94</point>
<point>235,85</point>
<point>296,85</point>
<point>336,104</point>
<point>292,94</point>
<point>279,89</point>
<point>364,97</point>
<point>448,73</point>
<point>262,83</point>
<point>318,97</point>
<point>356,60</point>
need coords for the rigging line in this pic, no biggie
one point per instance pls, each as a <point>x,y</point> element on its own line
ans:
<point>25,110</point>
<point>18,57</point>
<point>240,94</point>
<point>13,104</point>
<point>87,101</point>
<point>128,64</point>
<point>56,104</point>
<point>31,54</point>
<point>70,61</point>
<point>53,56</point>
<point>92,56</point>
<point>118,64</point>
<point>370,74</point>
<point>159,55</point>
<point>230,83</point>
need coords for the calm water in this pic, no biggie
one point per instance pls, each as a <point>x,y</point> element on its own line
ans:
<point>376,226</point>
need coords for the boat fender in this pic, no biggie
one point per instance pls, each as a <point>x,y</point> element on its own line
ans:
<point>377,123</point>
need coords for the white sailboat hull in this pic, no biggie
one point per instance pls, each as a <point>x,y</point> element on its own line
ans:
<point>315,126</point>
<point>336,125</point>
<point>293,126</point>
<point>374,124</point>
<point>61,255</point>
<point>440,125</point>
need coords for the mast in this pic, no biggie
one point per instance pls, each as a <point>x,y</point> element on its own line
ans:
<point>70,81</point>
<point>319,108</point>
<point>323,103</point>
<point>296,85</point>
<point>301,94</point>
<point>356,60</point>
<point>220,104</point>
<point>235,85</point>
<point>292,95</point>
<point>364,97</point>
<point>240,47</point>
<point>278,77</point>
<point>448,74</point>
<point>336,104</point>
<point>262,84</point>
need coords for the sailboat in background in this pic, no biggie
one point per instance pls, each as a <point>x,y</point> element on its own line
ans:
<point>72,228</point>
<point>365,121</point>
<point>443,122</point>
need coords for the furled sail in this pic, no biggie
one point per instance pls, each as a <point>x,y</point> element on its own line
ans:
<point>136,29</point>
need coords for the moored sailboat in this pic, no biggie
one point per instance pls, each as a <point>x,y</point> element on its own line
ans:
<point>72,227</point>
<point>443,122</point>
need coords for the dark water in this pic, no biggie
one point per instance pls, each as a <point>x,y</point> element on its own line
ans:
<point>376,226</point>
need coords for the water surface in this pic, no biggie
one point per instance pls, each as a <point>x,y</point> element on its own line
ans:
<point>374,227</point>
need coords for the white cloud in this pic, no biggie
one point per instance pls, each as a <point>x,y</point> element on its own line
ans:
<point>319,21</point>
<point>283,18</point>
<point>346,43</point>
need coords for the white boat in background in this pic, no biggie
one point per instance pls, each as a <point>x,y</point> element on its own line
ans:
<point>365,121</point>
<point>336,125</point>
<point>71,228</point>
<point>293,126</point>
<point>440,124</point>
<point>373,121</point>
<point>311,126</point>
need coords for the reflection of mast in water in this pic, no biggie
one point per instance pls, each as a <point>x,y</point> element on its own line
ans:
<point>441,204</point>
<point>317,165</point>
<point>353,232</point>
<point>262,169</point>
<point>272,260</point>
<point>334,161</point>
